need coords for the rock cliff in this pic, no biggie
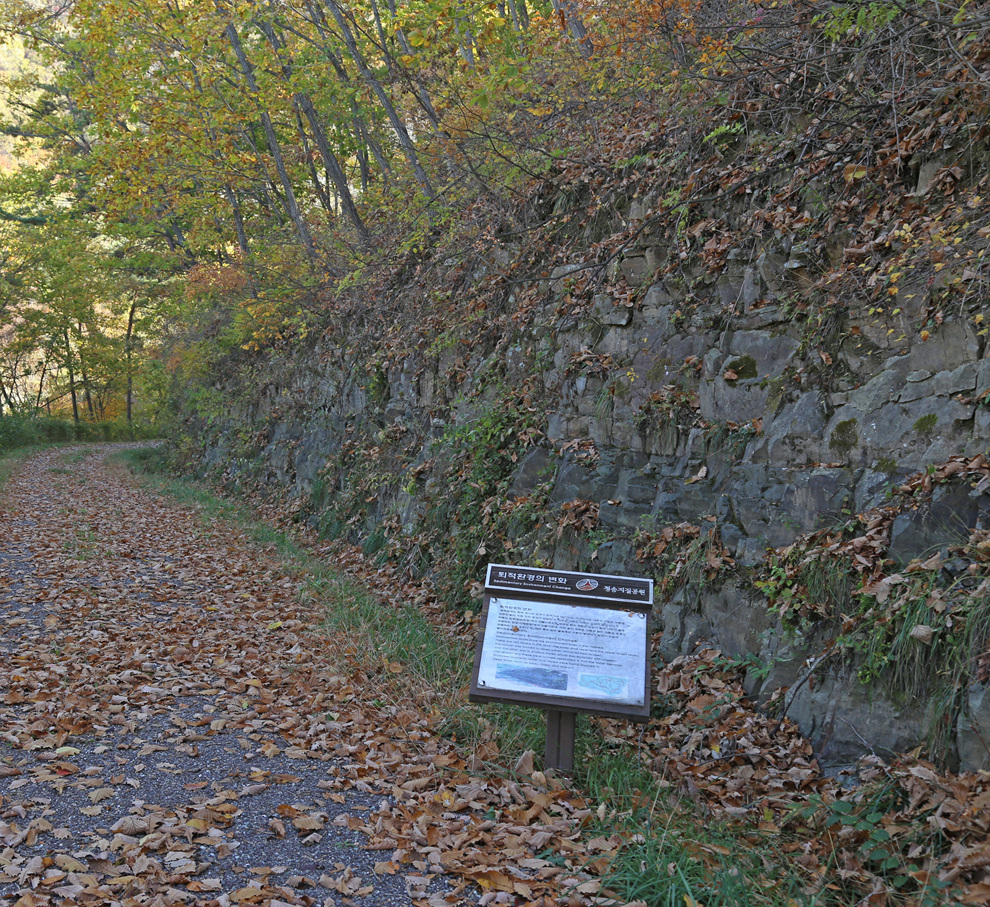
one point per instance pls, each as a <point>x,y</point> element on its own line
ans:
<point>775,400</point>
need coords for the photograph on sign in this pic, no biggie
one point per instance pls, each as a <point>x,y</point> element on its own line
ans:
<point>553,649</point>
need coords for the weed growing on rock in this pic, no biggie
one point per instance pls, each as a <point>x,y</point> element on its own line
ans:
<point>922,632</point>
<point>683,556</point>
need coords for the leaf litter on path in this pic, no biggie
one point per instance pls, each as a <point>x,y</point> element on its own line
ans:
<point>165,716</point>
<point>172,730</point>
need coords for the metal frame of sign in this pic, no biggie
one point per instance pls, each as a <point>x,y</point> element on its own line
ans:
<point>585,592</point>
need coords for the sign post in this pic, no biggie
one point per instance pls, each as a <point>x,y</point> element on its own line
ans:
<point>559,750</point>
<point>567,643</point>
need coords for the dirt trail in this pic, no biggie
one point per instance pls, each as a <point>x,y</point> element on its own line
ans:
<point>170,730</point>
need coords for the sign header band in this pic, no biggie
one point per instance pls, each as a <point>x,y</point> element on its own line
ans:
<point>634,592</point>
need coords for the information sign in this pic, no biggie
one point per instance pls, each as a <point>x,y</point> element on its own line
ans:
<point>565,641</point>
<point>593,654</point>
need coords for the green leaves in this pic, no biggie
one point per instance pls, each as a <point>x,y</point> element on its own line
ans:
<point>418,38</point>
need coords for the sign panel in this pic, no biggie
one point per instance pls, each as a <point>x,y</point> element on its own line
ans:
<point>634,592</point>
<point>565,642</point>
<point>574,651</point>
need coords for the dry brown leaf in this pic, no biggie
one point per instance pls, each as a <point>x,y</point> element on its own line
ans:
<point>525,763</point>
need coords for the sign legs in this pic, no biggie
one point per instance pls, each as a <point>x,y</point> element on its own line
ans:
<point>560,740</point>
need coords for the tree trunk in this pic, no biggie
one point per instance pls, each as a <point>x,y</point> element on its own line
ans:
<point>291,203</point>
<point>402,134</point>
<point>72,377</point>
<point>465,41</point>
<point>235,210</point>
<point>87,396</point>
<point>570,18</point>
<point>421,91</point>
<point>520,15</point>
<point>41,384</point>
<point>332,166</point>
<point>330,162</point>
<point>361,131</point>
<point>128,353</point>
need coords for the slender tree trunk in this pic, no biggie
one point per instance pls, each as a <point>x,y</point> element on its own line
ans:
<point>41,385</point>
<point>421,91</point>
<point>402,134</point>
<point>129,351</point>
<point>291,203</point>
<point>87,395</point>
<point>465,42</point>
<point>242,237</point>
<point>320,187</point>
<point>378,26</point>
<point>330,162</point>
<point>72,378</point>
<point>235,210</point>
<point>231,196</point>
<point>6,393</point>
<point>520,15</point>
<point>570,18</point>
<point>399,33</point>
<point>332,166</point>
<point>365,140</point>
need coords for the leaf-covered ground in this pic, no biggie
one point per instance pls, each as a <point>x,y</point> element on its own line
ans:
<point>171,730</point>
<point>177,725</point>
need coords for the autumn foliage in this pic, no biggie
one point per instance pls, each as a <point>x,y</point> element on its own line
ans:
<point>237,177</point>
<point>312,146</point>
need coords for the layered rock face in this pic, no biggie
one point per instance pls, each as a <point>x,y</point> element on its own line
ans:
<point>699,428</point>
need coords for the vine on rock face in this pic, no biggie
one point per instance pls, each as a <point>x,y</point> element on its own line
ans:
<point>474,520</point>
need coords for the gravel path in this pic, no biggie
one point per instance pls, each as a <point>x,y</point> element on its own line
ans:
<point>169,731</point>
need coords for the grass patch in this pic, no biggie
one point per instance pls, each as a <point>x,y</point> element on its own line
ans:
<point>11,460</point>
<point>673,862</point>
<point>151,460</point>
<point>672,854</point>
<point>358,623</point>
<point>409,658</point>
<point>152,466</point>
<point>928,647</point>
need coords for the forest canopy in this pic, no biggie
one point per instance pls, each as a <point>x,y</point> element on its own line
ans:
<point>194,177</point>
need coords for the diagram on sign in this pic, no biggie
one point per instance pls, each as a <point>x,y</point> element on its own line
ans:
<point>612,687</point>
<point>544,678</point>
